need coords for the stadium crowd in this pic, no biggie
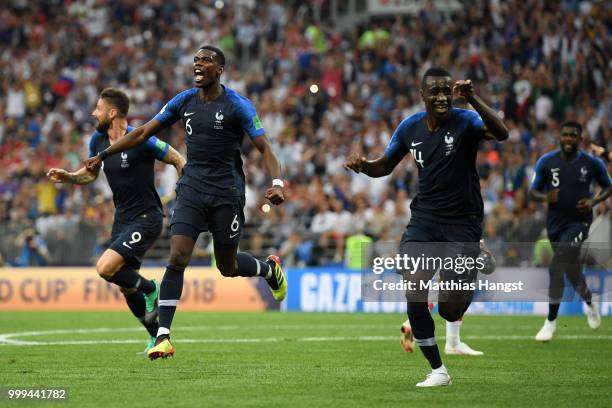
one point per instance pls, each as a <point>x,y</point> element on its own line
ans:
<point>321,94</point>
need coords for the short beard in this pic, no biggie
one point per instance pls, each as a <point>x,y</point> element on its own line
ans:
<point>571,151</point>
<point>103,126</point>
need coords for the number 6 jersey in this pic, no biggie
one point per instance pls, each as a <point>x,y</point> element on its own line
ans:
<point>213,132</point>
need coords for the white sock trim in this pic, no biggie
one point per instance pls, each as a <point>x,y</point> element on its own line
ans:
<point>168,302</point>
<point>162,331</point>
<point>269,274</point>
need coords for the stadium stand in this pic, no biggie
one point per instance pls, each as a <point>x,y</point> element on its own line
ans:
<point>322,90</point>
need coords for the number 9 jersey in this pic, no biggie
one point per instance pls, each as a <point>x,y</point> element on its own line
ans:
<point>138,210</point>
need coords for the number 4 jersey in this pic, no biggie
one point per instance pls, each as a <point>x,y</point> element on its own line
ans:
<point>574,180</point>
<point>449,186</point>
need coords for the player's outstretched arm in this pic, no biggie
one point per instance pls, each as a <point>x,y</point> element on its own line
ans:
<point>383,166</point>
<point>81,176</point>
<point>134,138</point>
<point>495,126</point>
<point>275,193</point>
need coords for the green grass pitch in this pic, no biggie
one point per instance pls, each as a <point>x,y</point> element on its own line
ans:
<point>300,360</point>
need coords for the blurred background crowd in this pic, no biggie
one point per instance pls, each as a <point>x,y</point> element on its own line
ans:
<point>327,77</point>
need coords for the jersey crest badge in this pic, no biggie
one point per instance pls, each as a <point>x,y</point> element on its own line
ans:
<point>448,139</point>
<point>124,162</point>
<point>583,174</point>
<point>218,120</point>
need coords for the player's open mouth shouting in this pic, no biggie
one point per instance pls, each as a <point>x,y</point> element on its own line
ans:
<point>198,75</point>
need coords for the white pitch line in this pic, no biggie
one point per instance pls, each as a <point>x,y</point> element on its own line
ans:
<point>6,339</point>
<point>192,328</point>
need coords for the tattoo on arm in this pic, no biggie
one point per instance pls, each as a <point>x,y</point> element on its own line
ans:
<point>83,176</point>
<point>174,158</point>
<point>603,195</point>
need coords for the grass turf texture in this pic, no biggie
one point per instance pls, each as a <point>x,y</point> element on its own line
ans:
<point>297,360</point>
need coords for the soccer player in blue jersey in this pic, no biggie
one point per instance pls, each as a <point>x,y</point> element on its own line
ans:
<point>138,210</point>
<point>210,194</point>
<point>563,179</point>
<point>448,207</point>
<point>454,345</point>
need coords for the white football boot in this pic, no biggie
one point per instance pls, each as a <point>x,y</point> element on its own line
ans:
<point>547,331</point>
<point>461,349</point>
<point>436,380</point>
<point>592,313</point>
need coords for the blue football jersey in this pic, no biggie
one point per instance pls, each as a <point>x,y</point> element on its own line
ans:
<point>214,133</point>
<point>131,174</point>
<point>449,186</point>
<point>574,179</point>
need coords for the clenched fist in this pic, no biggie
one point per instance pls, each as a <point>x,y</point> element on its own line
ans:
<point>355,162</point>
<point>275,195</point>
<point>464,88</point>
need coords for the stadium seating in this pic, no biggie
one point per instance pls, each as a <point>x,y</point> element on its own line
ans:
<point>534,67</point>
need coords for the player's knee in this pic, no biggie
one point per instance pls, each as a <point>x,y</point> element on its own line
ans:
<point>128,291</point>
<point>105,269</point>
<point>227,270</point>
<point>179,258</point>
<point>450,313</point>
<point>450,316</point>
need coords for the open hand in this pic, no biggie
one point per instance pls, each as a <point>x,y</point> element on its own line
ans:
<point>58,175</point>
